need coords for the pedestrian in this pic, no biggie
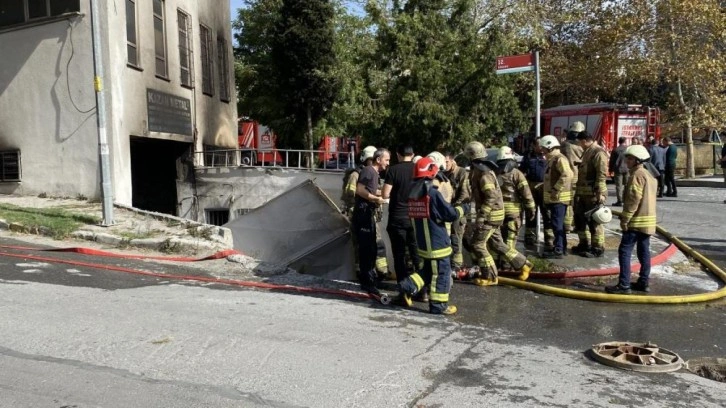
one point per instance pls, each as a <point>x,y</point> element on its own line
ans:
<point>429,212</point>
<point>591,192</point>
<point>671,157</point>
<point>516,195</point>
<point>485,235</point>
<point>459,178</point>
<point>396,188</point>
<point>657,159</point>
<point>637,221</point>
<point>616,166</point>
<point>533,166</point>
<point>557,191</point>
<point>573,151</point>
<point>368,199</point>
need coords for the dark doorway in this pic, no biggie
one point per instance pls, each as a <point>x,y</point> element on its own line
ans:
<point>154,173</point>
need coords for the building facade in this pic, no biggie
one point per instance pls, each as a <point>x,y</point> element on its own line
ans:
<point>168,87</point>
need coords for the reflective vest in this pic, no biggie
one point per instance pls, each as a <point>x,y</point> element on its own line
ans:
<point>487,197</point>
<point>515,193</point>
<point>558,179</point>
<point>593,172</point>
<point>429,212</point>
<point>639,201</point>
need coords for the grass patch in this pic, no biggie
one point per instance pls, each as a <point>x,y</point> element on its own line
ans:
<point>59,222</point>
<point>127,235</point>
<point>200,232</point>
<point>543,265</point>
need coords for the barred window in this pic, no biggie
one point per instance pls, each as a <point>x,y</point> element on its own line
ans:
<point>10,165</point>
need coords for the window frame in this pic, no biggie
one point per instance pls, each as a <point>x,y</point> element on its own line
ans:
<point>223,69</point>
<point>16,159</point>
<point>207,60</point>
<point>186,31</point>
<point>165,57</point>
<point>134,45</point>
<point>48,17</point>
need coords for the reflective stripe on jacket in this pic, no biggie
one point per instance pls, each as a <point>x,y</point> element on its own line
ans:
<point>487,197</point>
<point>432,239</point>
<point>515,193</point>
<point>639,201</point>
<point>558,179</point>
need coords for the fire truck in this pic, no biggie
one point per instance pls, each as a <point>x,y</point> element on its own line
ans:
<point>605,121</point>
<point>338,152</point>
<point>258,144</point>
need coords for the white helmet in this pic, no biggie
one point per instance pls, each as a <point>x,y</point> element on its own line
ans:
<point>505,153</point>
<point>549,142</point>
<point>601,214</point>
<point>638,151</point>
<point>475,150</point>
<point>439,159</point>
<point>577,127</point>
<point>367,153</point>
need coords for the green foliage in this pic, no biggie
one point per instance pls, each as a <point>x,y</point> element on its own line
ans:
<point>59,223</point>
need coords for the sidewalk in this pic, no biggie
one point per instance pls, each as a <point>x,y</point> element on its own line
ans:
<point>710,181</point>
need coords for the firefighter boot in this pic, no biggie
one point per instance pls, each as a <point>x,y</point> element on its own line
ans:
<point>490,280</point>
<point>524,272</point>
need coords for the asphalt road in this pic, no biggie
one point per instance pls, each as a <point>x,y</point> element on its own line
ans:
<point>86,337</point>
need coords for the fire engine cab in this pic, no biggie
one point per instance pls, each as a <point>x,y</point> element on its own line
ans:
<point>258,144</point>
<point>605,121</point>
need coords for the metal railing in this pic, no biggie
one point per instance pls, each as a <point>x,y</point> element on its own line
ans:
<point>278,158</point>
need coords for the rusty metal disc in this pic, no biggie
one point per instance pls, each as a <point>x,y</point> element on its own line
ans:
<point>646,357</point>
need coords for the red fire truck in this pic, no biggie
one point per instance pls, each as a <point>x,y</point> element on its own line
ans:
<point>338,152</point>
<point>606,121</point>
<point>258,144</point>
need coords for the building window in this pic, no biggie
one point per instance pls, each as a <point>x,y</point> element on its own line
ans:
<point>132,47</point>
<point>10,165</point>
<point>216,216</point>
<point>223,68</point>
<point>14,12</point>
<point>207,64</point>
<point>185,48</point>
<point>160,39</point>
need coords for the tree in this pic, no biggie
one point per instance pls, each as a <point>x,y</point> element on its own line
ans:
<point>303,56</point>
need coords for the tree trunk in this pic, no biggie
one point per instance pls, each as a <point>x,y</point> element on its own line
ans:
<point>309,137</point>
<point>690,162</point>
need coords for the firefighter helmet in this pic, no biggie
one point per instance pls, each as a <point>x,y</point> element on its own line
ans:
<point>638,151</point>
<point>367,153</point>
<point>475,150</point>
<point>505,153</point>
<point>601,214</point>
<point>425,168</point>
<point>549,142</point>
<point>439,159</point>
<point>577,127</point>
<point>416,158</point>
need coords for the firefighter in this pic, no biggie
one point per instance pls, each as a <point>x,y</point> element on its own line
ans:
<point>441,181</point>
<point>591,192</point>
<point>484,234</point>
<point>459,178</point>
<point>367,200</point>
<point>572,150</point>
<point>350,183</point>
<point>516,195</point>
<point>638,221</point>
<point>533,167</point>
<point>429,212</point>
<point>557,195</point>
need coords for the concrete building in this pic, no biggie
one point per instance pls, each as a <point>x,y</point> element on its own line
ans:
<point>168,88</point>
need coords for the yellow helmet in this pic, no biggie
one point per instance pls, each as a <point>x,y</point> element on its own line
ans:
<point>577,127</point>
<point>549,142</point>
<point>475,150</point>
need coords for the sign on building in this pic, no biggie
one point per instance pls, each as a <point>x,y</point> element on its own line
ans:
<point>168,113</point>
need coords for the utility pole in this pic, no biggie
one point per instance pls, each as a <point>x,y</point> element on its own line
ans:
<point>106,185</point>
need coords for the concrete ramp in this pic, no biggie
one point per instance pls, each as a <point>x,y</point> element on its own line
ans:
<point>301,228</point>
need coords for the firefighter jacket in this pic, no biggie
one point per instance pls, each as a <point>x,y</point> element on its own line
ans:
<point>639,202</point>
<point>593,172</point>
<point>350,183</point>
<point>486,195</point>
<point>446,189</point>
<point>558,179</point>
<point>515,191</point>
<point>459,178</point>
<point>429,213</point>
<point>573,153</point>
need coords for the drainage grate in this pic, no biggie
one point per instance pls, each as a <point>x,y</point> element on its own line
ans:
<point>636,356</point>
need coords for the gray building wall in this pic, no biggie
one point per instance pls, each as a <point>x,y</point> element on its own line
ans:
<point>47,99</point>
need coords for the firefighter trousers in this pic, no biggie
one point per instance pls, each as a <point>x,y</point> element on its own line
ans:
<point>436,273</point>
<point>364,228</point>
<point>486,239</point>
<point>510,232</point>
<point>457,237</point>
<point>589,232</point>
<point>530,232</point>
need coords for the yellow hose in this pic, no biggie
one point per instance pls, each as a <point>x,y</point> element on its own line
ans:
<point>607,297</point>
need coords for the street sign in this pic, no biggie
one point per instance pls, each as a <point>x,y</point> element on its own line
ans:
<point>515,63</point>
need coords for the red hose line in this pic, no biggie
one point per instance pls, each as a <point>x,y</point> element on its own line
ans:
<point>587,273</point>
<point>232,282</point>
<point>96,252</point>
